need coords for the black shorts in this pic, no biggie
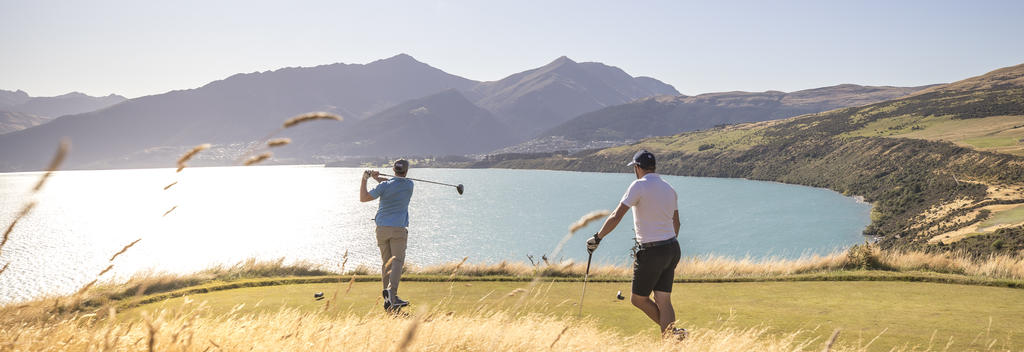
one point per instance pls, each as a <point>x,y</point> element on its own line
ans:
<point>654,269</point>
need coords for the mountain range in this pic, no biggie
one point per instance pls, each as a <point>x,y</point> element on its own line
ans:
<point>395,106</point>
<point>668,115</point>
<point>243,108</point>
<point>19,111</point>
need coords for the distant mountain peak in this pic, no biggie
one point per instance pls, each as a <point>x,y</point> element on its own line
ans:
<point>400,58</point>
<point>561,60</point>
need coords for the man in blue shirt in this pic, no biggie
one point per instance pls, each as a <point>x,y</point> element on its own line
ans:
<point>392,219</point>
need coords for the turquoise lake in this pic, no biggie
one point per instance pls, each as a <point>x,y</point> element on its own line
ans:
<point>312,213</point>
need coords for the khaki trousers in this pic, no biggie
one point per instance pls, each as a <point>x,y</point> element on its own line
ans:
<point>391,241</point>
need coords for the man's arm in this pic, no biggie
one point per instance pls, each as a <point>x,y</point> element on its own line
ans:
<point>675,222</point>
<point>613,220</point>
<point>364,195</point>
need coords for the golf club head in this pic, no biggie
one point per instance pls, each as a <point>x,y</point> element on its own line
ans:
<point>459,188</point>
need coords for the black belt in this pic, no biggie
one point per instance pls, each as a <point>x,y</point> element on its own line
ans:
<point>657,243</point>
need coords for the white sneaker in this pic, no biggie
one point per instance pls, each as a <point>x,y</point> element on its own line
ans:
<point>680,334</point>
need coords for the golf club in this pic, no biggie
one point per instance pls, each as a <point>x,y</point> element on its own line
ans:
<point>458,187</point>
<point>586,276</point>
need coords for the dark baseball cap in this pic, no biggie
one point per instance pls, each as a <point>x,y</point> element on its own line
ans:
<point>643,158</point>
<point>401,166</point>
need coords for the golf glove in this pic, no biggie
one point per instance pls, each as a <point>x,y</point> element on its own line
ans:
<point>592,243</point>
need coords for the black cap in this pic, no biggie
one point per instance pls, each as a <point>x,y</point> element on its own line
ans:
<point>401,166</point>
<point>643,158</point>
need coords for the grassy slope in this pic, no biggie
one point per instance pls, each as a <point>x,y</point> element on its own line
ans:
<point>906,179</point>
<point>911,312</point>
<point>1002,134</point>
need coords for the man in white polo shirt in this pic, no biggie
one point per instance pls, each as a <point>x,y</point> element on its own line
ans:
<point>656,220</point>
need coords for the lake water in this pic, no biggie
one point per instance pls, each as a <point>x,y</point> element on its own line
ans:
<point>225,215</point>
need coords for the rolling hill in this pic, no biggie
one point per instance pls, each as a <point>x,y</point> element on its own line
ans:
<point>16,121</point>
<point>22,111</point>
<point>67,104</point>
<point>668,115</point>
<point>918,159</point>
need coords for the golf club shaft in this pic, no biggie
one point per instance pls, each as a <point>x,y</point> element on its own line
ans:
<point>416,179</point>
<point>585,277</point>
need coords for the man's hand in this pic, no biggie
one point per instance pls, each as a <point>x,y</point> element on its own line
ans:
<point>376,176</point>
<point>592,243</point>
<point>368,174</point>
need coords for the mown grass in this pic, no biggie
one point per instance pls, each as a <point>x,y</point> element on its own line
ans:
<point>908,313</point>
<point>1011,216</point>
<point>997,133</point>
<point>864,262</point>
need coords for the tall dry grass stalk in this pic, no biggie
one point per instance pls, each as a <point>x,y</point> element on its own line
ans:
<point>10,228</point>
<point>278,142</point>
<point>344,260</point>
<point>410,332</point>
<point>291,122</point>
<point>170,185</point>
<point>831,341</point>
<point>312,116</point>
<point>387,267</point>
<point>125,249</point>
<point>457,267</point>
<point>62,152</point>
<point>191,153</point>
<point>258,158</point>
<point>576,226</point>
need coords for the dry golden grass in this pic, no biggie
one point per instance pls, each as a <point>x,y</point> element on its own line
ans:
<point>190,328</point>
<point>62,152</point>
<point>125,249</point>
<point>10,228</point>
<point>278,142</point>
<point>310,117</point>
<point>189,154</point>
<point>258,158</point>
<point>710,266</point>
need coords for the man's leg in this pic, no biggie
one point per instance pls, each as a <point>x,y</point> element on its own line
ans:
<point>645,276</point>
<point>667,315</point>
<point>385,255</point>
<point>663,288</point>
<point>647,306</point>
<point>398,241</point>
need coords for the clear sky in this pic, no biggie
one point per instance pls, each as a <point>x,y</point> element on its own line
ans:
<point>136,48</point>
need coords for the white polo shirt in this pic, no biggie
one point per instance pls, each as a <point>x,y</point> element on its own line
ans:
<point>654,202</point>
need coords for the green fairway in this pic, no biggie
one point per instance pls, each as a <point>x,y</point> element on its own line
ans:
<point>909,313</point>
<point>1011,216</point>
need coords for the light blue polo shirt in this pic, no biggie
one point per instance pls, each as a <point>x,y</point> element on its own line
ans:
<point>394,197</point>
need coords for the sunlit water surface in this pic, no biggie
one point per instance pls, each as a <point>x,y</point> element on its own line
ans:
<point>312,213</point>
